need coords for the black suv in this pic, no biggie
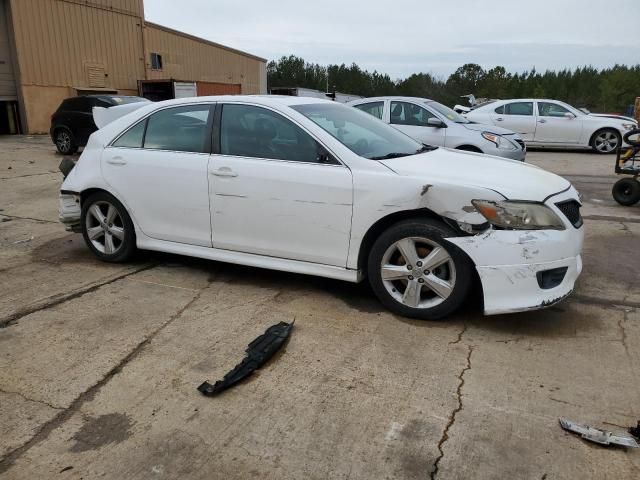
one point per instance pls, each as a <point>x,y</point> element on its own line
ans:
<point>72,123</point>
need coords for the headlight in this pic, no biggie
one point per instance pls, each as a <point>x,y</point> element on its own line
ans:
<point>501,142</point>
<point>629,126</point>
<point>519,215</point>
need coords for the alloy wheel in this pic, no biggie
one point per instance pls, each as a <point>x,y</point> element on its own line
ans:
<point>63,141</point>
<point>418,272</point>
<point>105,227</point>
<point>606,142</point>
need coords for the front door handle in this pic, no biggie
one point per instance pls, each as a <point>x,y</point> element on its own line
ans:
<point>224,172</point>
<point>117,161</point>
<point>499,119</point>
<point>542,120</point>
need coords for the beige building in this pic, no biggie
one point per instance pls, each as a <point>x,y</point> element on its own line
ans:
<point>54,49</point>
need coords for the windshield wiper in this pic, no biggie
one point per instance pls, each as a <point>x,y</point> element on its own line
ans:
<point>427,148</point>
<point>391,155</point>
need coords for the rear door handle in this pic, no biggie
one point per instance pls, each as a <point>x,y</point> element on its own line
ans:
<point>117,161</point>
<point>224,172</point>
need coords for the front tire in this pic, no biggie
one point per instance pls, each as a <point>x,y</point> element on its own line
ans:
<point>626,191</point>
<point>606,141</point>
<point>107,228</point>
<point>416,273</point>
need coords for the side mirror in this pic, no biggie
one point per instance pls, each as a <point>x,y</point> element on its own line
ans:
<point>569,115</point>
<point>436,123</point>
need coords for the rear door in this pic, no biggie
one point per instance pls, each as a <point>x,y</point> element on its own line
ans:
<point>557,124</point>
<point>412,119</point>
<point>275,191</point>
<point>158,168</point>
<point>516,116</point>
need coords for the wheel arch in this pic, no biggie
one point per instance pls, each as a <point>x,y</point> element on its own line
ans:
<point>602,129</point>
<point>467,147</point>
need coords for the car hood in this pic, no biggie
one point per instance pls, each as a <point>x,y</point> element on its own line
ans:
<point>483,127</point>
<point>512,179</point>
<point>614,117</point>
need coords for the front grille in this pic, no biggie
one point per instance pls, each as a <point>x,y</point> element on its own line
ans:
<point>571,210</point>
<point>521,143</point>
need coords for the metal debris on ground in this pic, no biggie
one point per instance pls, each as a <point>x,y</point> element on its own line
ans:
<point>635,431</point>
<point>259,352</point>
<point>596,435</point>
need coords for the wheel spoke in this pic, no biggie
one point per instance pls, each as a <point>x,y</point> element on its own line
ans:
<point>111,214</point>
<point>411,295</point>
<point>407,248</point>
<point>117,232</point>
<point>437,257</point>
<point>95,232</point>
<point>97,213</point>
<point>394,272</point>
<point>440,287</point>
<point>109,248</point>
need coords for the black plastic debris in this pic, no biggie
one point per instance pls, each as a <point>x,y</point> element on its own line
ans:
<point>259,352</point>
<point>66,165</point>
<point>635,431</point>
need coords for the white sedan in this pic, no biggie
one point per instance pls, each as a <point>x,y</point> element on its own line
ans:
<point>314,187</point>
<point>554,124</point>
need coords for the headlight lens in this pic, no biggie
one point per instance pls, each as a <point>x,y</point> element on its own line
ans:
<point>629,126</point>
<point>519,215</point>
<point>500,142</point>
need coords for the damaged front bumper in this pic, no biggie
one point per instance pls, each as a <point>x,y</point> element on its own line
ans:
<point>69,211</point>
<point>524,270</point>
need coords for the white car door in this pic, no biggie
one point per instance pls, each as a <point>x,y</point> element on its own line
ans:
<point>556,124</point>
<point>275,191</point>
<point>517,117</point>
<point>158,168</point>
<point>412,119</point>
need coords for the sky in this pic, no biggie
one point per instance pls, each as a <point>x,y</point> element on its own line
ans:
<point>402,37</point>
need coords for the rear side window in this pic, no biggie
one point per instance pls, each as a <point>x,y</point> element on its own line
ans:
<point>133,138</point>
<point>375,108</point>
<point>519,108</point>
<point>180,129</point>
<point>250,131</point>
<point>500,110</point>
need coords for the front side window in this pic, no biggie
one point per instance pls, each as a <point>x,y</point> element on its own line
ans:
<point>547,109</point>
<point>181,129</point>
<point>133,137</point>
<point>359,132</point>
<point>449,113</point>
<point>250,131</point>
<point>519,108</point>
<point>404,113</point>
<point>375,108</point>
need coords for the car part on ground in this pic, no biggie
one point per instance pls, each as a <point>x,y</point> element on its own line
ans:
<point>66,165</point>
<point>597,435</point>
<point>626,191</point>
<point>258,352</point>
<point>635,431</point>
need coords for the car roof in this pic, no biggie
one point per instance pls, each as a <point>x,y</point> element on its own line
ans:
<point>257,99</point>
<point>390,97</point>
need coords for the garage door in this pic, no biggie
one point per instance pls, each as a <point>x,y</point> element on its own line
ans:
<point>7,81</point>
<point>213,88</point>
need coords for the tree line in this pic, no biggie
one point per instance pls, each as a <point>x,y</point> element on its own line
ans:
<point>606,90</point>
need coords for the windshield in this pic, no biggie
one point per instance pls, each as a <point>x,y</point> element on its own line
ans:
<point>361,133</point>
<point>127,100</point>
<point>447,112</point>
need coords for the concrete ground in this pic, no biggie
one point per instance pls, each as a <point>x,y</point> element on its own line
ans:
<point>99,363</point>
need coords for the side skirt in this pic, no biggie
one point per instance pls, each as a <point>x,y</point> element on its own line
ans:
<point>249,259</point>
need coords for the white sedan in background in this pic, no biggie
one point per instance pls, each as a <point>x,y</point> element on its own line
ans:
<point>435,124</point>
<point>314,187</point>
<point>554,124</point>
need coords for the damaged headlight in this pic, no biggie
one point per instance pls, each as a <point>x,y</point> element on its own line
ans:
<point>500,142</point>
<point>519,215</point>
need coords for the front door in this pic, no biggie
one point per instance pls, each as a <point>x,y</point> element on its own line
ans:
<point>275,192</point>
<point>412,120</point>
<point>556,124</point>
<point>159,168</point>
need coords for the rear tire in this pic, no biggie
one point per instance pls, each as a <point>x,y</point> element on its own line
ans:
<point>438,281</point>
<point>65,142</point>
<point>606,141</point>
<point>107,228</point>
<point>626,191</point>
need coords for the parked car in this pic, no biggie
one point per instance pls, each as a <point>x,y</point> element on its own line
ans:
<point>432,123</point>
<point>72,122</point>
<point>554,124</point>
<point>314,187</point>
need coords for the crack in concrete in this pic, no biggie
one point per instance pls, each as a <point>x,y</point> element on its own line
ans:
<point>464,329</point>
<point>15,217</point>
<point>617,304</point>
<point>23,396</point>
<point>623,334</point>
<point>88,395</point>
<point>29,175</point>
<point>64,297</point>
<point>452,416</point>
<point>609,218</point>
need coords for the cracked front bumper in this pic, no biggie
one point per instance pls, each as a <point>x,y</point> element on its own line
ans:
<point>508,263</point>
<point>69,211</point>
